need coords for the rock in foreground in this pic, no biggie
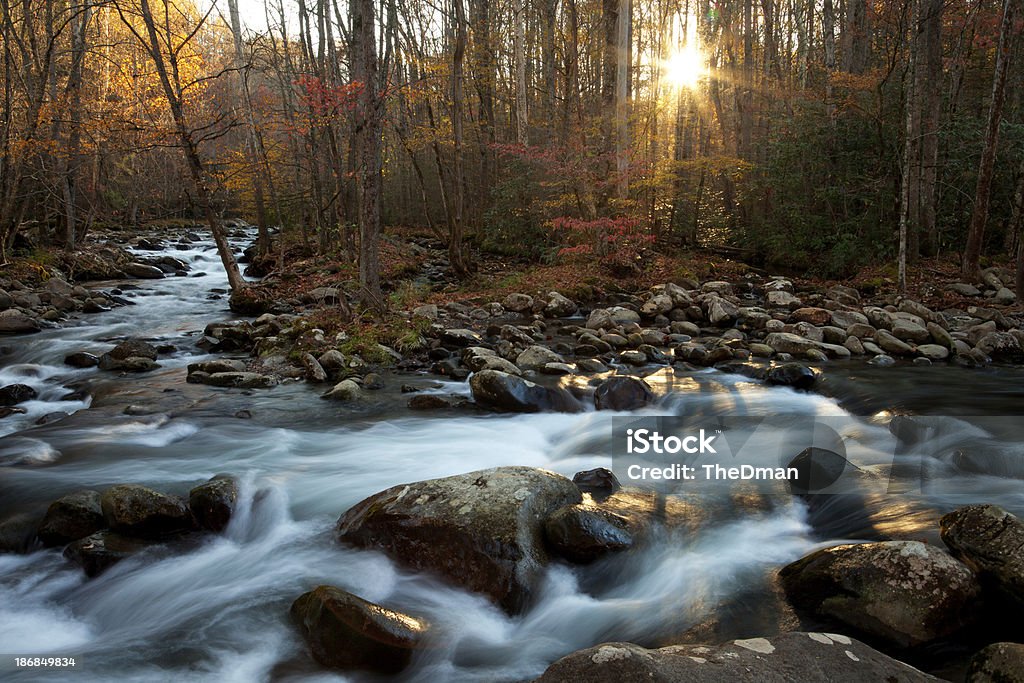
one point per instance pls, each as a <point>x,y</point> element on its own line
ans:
<point>482,530</point>
<point>142,512</point>
<point>347,632</point>
<point>783,658</point>
<point>905,592</point>
<point>507,392</point>
<point>72,517</point>
<point>989,539</point>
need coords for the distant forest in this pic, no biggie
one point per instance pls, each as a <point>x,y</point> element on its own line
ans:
<point>819,136</point>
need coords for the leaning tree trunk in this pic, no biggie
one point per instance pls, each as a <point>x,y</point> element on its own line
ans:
<point>172,92</point>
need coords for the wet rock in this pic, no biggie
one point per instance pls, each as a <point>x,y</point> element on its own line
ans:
<point>904,592</point>
<point>1001,346</point>
<point>460,337</point>
<point>81,359</point>
<point>585,533</point>
<point>506,392</point>
<point>787,342</point>
<point>623,393</point>
<point>792,375</point>
<point>213,502</point>
<point>140,511</point>
<point>133,348</point>
<point>535,357</point>
<point>482,530</point>
<point>345,390</point>
<point>941,336</point>
<point>890,344</point>
<point>998,663</point>
<point>817,469</point>
<point>600,481</point>
<point>102,550</point>
<point>142,271</point>
<point>344,631</point>
<point>428,402</point>
<point>214,366</point>
<point>989,539</point>
<point>933,352</point>
<point>72,517</point>
<point>18,534</point>
<point>478,358</point>
<point>13,321</point>
<point>240,380</point>
<point>558,306</point>
<point>13,394</point>
<point>132,364</point>
<point>634,357</point>
<point>781,658</point>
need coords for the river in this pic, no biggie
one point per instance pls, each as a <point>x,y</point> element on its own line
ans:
<point>217,610</point>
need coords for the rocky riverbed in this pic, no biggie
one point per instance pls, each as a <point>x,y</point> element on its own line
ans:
<point>268,500</point>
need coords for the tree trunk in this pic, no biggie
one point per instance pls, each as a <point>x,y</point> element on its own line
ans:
<point>456,253</point>
<point>519,50</point>
<point>622,58</point>
<point>983,190</point>
<point>369,131</point>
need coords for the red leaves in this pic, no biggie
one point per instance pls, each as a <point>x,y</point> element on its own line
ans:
<point>324,100</point>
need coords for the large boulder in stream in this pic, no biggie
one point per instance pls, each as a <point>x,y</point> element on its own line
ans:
<point>213,502</point>
<point>13,321</point>
<point>346,632</point>
<point>990,540</point>
<point>482,531</point>
<point>133,355</point>
<point>507,392</point>
<point>140,511</point>
<point>998,663</point>
<point>783,658</point>
<point>585,533</point>
<point>72,517</point>
<point>142,270</point>
<point>904,592</point>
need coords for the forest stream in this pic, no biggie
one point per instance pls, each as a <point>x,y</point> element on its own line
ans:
<point>217,609</point>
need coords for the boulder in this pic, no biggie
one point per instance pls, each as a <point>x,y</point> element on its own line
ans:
<point>428,311</point>
<point>214,366</point>
<point>331,359</point>
<point>131,364</point>
<point>81,359</point>
<point>101,550</point>
<point>72,517</point>
<point>482,531</point>
<point>344,631</point>
<point>213,502</point>
<point>535,357</point>
<point>140,511</point>
<point>847,296</point>
<point>998,663</point>
<point>622,393</point>
<point>314,371</point>
<point>428,402</point>
<point>782,658</point>
<point>658,304</point>
<point>719,311</point>
<point>600,481</point>
<point>460,337</point>
<point>18,534</point>
<point>814,316</point>
<point>792,375</point>
<point>13,321</point>
<point>345,390</point>
<point>779,298</point>
<point>847,319</point>
<point>240,380</point>
<point>142,271</point>
<point>585,533</point>
<point>989,539</point>
<point>518,303</point>
<point>934,352</point>
<point>1001,346</point>
<point>904,592</point>
<point>910,331</point>
<point>507,392</point>
<point>478,358</point>
<point>132,348</point>
<point>13,394</point>
<point>890,344</point>
<point>964,289</point>
<point>558,306</point>
<point>787,342</point>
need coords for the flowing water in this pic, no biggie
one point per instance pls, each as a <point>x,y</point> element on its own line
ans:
<point>217,610</point>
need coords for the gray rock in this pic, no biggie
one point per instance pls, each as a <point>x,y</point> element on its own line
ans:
<point>460,337</point>
<point>782,299</point>
<point>786,342</point>
<point>345,390</point>
<point>910,332</point>
<point>890,344</point>
<point>332,359</point>
<point>213,502</point>
<point>314,371</point>
<point>933,352</point>
<point>719,311</point>
<point>506,392</point>
<point>72,517</point>
<point>847,296</point>
<point>133,348</point>
<point>1001,346</point>
<point>142,271</point>
<point>240,380</point>
<point>989,539</point>
<point>657,305</point>
<point>941,336</point>
<point>13,321</point>
<point>558,306</point>
<point>998,663</point>
<point>1005,297</point>
<point>782,658</point>
<point>217,365</point>
<point>535,357</point>
<point>81,359</point>
<point>904,592</point>
<point>482,530</point>
<point>344,631</point>
<point>964,289</point>
<point>428,311</point>
<point>140,511</point>
<point>518,303</point>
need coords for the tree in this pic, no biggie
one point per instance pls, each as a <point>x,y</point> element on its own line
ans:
<point>983,190</point>
<point>164,51</point>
